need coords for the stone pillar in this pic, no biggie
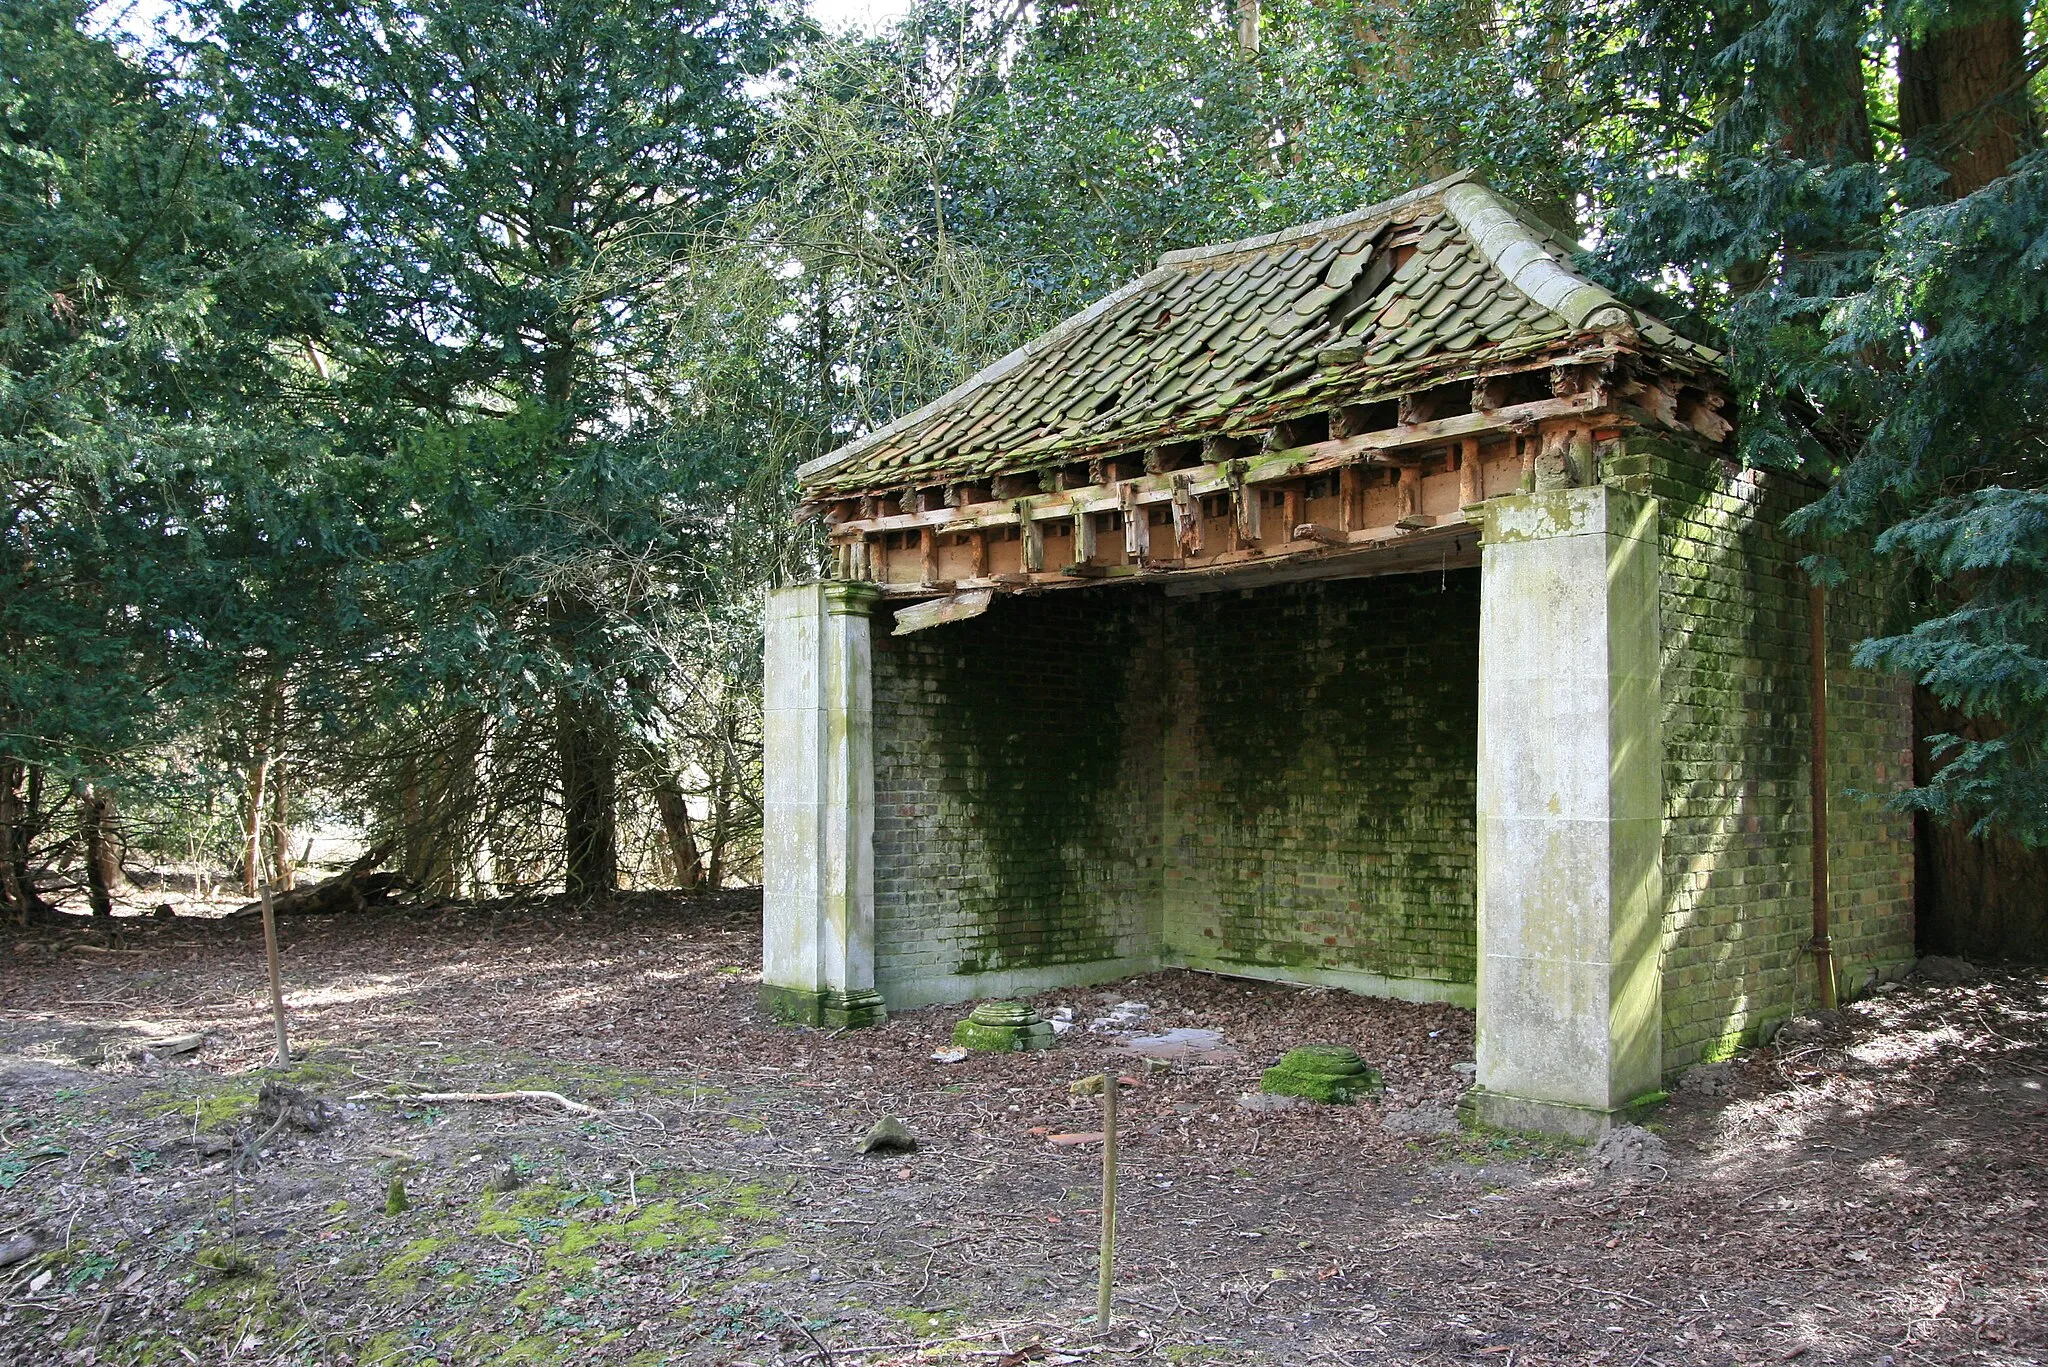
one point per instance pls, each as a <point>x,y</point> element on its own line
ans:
<point>1571,806</point>
<point>818,808</point>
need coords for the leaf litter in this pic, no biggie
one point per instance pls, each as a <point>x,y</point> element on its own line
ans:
<point>1867,1191</point>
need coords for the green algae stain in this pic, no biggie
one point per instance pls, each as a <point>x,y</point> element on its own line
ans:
<point>1332,822</point>
<point>1041,777</point>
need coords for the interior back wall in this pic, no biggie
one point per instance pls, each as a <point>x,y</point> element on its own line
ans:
<point>1321,796</point>
<point>1087,784</point>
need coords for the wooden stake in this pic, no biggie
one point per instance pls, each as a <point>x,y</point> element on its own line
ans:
<point>1244,506</point>
<point>1410,490</point>
<point>1187,518</point>
<point>284,1048</point>
<point>1103,1290</point>
<point>1031,554</point>
<point>1137,524</point>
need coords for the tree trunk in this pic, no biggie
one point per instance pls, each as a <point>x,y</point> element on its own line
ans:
<point>1825,116</point>
<point>1963,97</point>
<point>1963,105</point>
<point>411,819</point>
<point>102,870</point>
<point>16,894</point>
<point>589,768</point>
<point>281,826</point>
<point>721,835</point>
<point>280,796</point>
<point>32,825</point>
<point>682,838</point>
<point>1980,898</point>
<point>259,778</point>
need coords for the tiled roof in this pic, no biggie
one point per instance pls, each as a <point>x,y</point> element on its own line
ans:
<point>1443,283</point>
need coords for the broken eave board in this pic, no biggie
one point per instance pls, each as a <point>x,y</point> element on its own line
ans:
<point>957,607</point>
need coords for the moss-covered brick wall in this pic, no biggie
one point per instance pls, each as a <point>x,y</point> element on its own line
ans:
<point>1017,797</point>
<point>1091,783</point>
<point>1737,726</point>
<point>1282,781</point>
<point>1322,763</point>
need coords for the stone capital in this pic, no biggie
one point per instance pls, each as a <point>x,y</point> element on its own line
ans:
<point>850,597</point>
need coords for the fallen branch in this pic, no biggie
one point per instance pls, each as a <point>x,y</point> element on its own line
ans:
<point>353,889</point>
<point>555,1097</point>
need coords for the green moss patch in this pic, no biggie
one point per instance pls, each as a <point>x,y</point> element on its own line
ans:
<point>1328,1073</point>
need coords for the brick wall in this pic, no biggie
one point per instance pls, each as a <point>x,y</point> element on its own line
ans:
<point>1737,850</point>
<point>1016,796</point>
<point>1281,781</point>
<point>1322,761</point>
<point>1094,782</point>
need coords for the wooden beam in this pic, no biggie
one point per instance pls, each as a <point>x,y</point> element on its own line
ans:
<point>1187,517</point>
<point>1469,491</point>
<point>981,553</point>
<point>1031,537</point>
<point>1321,535</point>
<point>1351,498</point>
<point>928,543</point>
<point>1244,508</point>
<point>1388,448</point>
<point>1084,537</point>
<point>1386,550</point>
<point>1137,523</point>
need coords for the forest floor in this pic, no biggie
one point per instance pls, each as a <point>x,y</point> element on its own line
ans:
<point>1872,1194</point>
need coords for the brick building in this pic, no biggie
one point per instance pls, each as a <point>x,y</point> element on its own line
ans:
<point>1372,604</point>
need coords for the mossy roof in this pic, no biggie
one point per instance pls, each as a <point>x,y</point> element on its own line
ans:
<point>1447,282</point>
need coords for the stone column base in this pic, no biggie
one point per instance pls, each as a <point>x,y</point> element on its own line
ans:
<point>827,1008</point>
<point>1499,1111</point>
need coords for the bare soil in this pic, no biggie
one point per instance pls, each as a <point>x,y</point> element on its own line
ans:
<point>1871,1194</point>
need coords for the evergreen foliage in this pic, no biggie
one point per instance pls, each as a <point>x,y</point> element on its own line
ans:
<point>398,399</point>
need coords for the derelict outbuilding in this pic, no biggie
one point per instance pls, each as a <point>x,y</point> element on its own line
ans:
<point>1374,603</point>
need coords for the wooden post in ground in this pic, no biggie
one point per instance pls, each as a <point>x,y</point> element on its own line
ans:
<point>1102,1294</point>
<point>284,1048</point>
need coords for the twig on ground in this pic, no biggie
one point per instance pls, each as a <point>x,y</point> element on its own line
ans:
<point>823,1352</point>
<point>437,1097</point>
<point>242,1163</point>
<point>1618,1295</point>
